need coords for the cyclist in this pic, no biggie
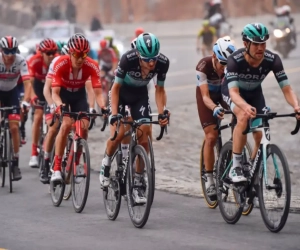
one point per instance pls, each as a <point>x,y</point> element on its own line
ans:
<point>208,35</point>
<point>135,70</point>
<point>12,66</point>
<point>138,31</point>
<point>60,45</point>
<point>111,45</point>
<point>70,73</point>
<point>38,67</point>
<point>210,72</point>
<point>246,70</point>
<point>107,58</point>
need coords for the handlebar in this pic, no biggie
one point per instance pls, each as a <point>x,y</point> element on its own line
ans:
<point>218,127</point>
<point>270,116</point>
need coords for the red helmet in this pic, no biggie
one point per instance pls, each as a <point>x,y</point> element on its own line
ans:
<point>47,44</point>
<point>104,44</point>
<point>8,42</point>
<point>78,43</point>
<point>139,31</point>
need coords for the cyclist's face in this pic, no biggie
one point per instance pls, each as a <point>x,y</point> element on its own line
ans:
<point>219,67</point>
<point>257,50</point>
<point>78,59</point>
<point>8,58</point>
<point>48,57</point>
<point>148,65</point>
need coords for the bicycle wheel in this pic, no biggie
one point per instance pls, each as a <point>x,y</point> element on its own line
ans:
<point>211,203</point>
<point>9,157</point>
<point>57,189</point>
<point>274,191</point>
<point>41,153</point>
<point>231,210</point>
<point>68,188</point>
<point>2,163</point>
<point>152,163</point>
<point>2,174</point>
<point>112,193</point>
<point>68,192</point>
<point>80,175</point>
<point>139,213</point>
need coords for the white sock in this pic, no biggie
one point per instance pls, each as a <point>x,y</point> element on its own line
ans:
<point>237,159</point>
<point>107,160</point>
<point>124,148</point>
<point>46,155</point>
<point>210,180</point>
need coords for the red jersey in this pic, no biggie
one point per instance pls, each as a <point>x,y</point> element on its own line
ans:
<point>37,68</point>
<point>107,55</point>
<point>63,74</point>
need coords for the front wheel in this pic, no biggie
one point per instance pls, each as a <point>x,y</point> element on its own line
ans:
<point>139,212</point>
<point>274,191</point>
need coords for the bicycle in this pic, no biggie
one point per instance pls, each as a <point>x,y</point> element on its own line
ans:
<point>122,175</point>
<point>72,172</point>
<point>257,176</point>
<point>40,147</point>
<point>212,202</point>
<point>6,148</point>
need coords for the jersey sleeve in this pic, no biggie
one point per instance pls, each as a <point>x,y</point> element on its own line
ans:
<point>24,70</point>
<point>164,67</point>
<point>122,69</point>
<point>57,74</point>
<point>200,33</point>
<point>231,76</point>
<point>213,31</point>
<point>95,76</point>
<point>279,72</point>
<point>51,67</point>
<point>32,62</point>
<point>200,73</point>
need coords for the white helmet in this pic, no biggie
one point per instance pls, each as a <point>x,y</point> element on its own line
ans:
<point>223,48</point>
<point>65,50</point>
<point>133,43</point>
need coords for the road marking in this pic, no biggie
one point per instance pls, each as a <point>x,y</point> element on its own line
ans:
<point>189,86</point>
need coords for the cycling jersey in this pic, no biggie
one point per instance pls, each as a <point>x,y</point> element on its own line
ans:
<point>9,77</point>
<point>63,75</point>
<point>37,68</point>
<point>129,70</point>
<point>241,74</point>
<point>50,71</point>
<point>107,57</point>
<point>207,35</point>
<point>206,74</point>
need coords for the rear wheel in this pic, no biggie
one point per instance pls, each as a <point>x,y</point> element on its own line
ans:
<point>2,163</point>
<point>152,163</point>
<point>9,157</point>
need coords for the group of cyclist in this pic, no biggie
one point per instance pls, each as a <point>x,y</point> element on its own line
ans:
<point>231,79</point>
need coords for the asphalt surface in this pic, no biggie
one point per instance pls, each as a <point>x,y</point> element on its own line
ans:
<point>28,220</point>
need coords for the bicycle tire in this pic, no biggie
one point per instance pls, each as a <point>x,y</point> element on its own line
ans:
<point>2,164</point>
<point>2,169</point>
<point>138,150</point>
<point>274,149</point>
<point>114,185</point>
<point>211,204</point>
<point>9,157</point>
<point>226,151</point>
<point>67,192</point>
<point>87,168</point>
<point>152,163</point>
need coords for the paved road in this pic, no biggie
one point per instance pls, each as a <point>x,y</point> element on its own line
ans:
<point>29,221</point>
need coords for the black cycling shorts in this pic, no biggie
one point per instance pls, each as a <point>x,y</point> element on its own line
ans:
<point>137,99</point>
<point>255,98</point>
<point>9,99</point>
<point>38,87</point>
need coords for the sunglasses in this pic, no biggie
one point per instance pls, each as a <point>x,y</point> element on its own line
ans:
<point>221,62</point>
<point>152,59</point>
<point>10,51</point>
<point>50,53</point>
<point>80,55</point>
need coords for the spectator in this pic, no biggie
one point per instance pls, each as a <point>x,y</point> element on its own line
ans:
<point>96,24</point>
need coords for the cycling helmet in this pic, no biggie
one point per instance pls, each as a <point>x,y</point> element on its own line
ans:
<point>205,23</point>
<point>104,44</point>
<point>223,48</point>
<point>9,42</point>
<point>60,45</point>
<point>78,43</point>
<point>255,32</point>
<point>147,45</point>
<point>139,31</point>
<point>65,50</point>
<point>47,44</point>
<point>133,43</point>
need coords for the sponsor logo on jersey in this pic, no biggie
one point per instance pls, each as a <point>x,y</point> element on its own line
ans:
<point>267,54</point>
<point>280,73</point>
<point>139,74</point>
<point>12,69</point>
<point>238,56</point>
<point>132,54</point>
<point>201,65</point>
<point>252,77</point>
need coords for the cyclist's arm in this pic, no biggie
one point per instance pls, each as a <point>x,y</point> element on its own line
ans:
<point>56,96</point>
<point>90,93</point>
<point>203,85</point>
<point>27,90</point>
<point>26,80</point>
<point>160,94</point>
<point>233,84</point>
<point>114,60</point>
<point>47,91</point>
<point>200,34</point>
<point>283,82</point>
<point>96,84</point>
<point>56,86</point>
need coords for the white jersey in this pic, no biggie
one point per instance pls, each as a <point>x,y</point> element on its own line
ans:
<point>50,70</point>
<point>9,77</point>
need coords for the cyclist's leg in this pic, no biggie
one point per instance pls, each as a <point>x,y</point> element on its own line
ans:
<point>14,119</point>
<point>208,123</point>
<point>126,141</point>
<point>37,121</point>
<point>23,115</point>
<point>62,136</point>
<point>238,140</point>
<point>111,146</point>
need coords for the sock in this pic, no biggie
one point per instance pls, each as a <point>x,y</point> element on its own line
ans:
<point>124,148</point>
<point>34,151</point>
<point>237,158</point>
<point>46,155</point>
<point>107,160</point>
<point>210,180</point>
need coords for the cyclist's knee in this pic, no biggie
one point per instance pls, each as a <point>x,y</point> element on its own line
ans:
<point>257,135</point>
<point>14,127</point>
<point>66,127</point>
<point>211,139</point>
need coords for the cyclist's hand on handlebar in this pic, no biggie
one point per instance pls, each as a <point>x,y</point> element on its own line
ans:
<point>104,111</point>
<point>93,111</point>
<point>52,108</point>
<point>218,112</point>
<point>163,119</point>
<point>250,111</point>
<point>114,119</point>
<point>297,110</point>
<point>25,106</point>
<point>59,109</point>
<point>34,100</point>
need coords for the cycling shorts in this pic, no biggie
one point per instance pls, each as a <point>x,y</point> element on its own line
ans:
<point>9,99</point>
<point>38,87</point>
